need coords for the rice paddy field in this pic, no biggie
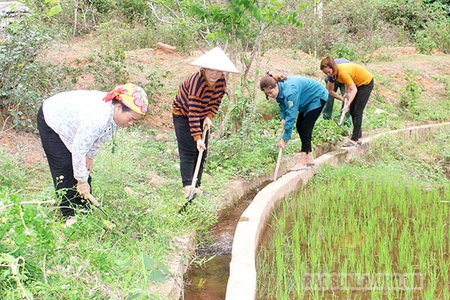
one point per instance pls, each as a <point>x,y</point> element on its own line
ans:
<point>374,228</point>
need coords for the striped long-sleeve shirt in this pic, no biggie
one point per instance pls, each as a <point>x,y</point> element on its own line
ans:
<point>196,100</point>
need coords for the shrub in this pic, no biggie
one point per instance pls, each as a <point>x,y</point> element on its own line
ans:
<point>436,35</point>
<point>24,80</point>
<point>411,92</point>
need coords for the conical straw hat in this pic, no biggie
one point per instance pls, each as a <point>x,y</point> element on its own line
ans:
<point>215,59</point>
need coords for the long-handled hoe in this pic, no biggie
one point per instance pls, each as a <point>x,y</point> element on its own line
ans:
<point>280,151</point>
<point>342,114</point>
<point>341,120</point>
<point>192,193</point>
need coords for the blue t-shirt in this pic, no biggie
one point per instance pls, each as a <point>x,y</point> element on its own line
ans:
<point>298,94</point>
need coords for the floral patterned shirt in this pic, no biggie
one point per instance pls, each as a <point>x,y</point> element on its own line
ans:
<point>83,121</point>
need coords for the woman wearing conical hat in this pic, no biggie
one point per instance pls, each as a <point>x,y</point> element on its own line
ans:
<point>194,107</point>
<point>73,126</point>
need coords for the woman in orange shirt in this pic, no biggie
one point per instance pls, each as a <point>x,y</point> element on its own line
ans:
<point>358,87</point>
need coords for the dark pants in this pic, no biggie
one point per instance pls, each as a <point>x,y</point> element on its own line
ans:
<point>305,125</point>
<point>187,149</point>
<point>357,108</point>
<point>60,161</point>
<point>328,109</point>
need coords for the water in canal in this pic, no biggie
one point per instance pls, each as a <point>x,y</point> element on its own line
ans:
<point>208,281</point>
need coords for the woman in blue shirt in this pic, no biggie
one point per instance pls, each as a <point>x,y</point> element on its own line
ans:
<point>300,100</point>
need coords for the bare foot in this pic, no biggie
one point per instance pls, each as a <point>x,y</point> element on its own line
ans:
<point>307,159</point>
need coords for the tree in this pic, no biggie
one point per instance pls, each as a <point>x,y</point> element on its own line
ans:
<point>238,26</point>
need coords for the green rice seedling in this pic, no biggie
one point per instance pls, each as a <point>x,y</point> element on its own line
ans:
<point>281,270</point>
<point>297,275</point>
<point>404,248</point>
<point>384,223</point>
<point>431,285</point>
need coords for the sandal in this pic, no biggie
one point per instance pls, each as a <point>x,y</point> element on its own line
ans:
<point>350,144</point>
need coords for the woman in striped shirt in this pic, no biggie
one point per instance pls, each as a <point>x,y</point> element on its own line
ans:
<point>195,105</point>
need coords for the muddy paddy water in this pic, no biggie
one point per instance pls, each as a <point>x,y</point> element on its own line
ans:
<point>208,281</point>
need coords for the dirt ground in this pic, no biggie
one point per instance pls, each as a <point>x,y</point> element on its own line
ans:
<point>388,63</point>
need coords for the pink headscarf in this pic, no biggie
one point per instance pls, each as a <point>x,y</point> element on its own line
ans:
<point>133,96</point>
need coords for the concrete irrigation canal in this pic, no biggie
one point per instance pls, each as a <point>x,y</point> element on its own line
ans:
<point>231,273</point>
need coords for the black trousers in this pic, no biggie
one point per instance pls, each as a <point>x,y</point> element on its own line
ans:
<point>60,162</point>
<point>305,125</point>
<point>357,108</point>
<point>187,150</point>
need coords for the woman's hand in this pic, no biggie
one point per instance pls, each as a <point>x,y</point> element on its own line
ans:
<point>201,145</point>
<point>207,123</point>
<point>346,107</point>
<point>84,189</point>
<point>282,144</point>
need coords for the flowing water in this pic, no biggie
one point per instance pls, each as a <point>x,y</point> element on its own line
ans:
<point>209,281</point>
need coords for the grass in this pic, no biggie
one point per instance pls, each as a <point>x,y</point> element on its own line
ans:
<point>375,228</point>
<point>114,258</point>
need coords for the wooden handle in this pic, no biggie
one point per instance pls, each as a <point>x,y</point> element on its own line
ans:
<point>343,113</point>
<point>197,166</point>
<point>278,164</point>
<point>93,200</point>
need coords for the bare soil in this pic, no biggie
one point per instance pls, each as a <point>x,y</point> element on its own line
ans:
<point>388,62</point>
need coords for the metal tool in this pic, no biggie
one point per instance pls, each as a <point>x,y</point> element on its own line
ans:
<point>96,204</point>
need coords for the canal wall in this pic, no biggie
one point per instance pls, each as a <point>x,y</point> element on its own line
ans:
<point>242,279</point>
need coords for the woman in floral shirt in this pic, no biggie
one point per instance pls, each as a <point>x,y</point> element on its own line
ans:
<point>74,125</point>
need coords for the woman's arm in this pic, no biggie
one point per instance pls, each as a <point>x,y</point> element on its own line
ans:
<point>330,88</point>
<point>350,94</point>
